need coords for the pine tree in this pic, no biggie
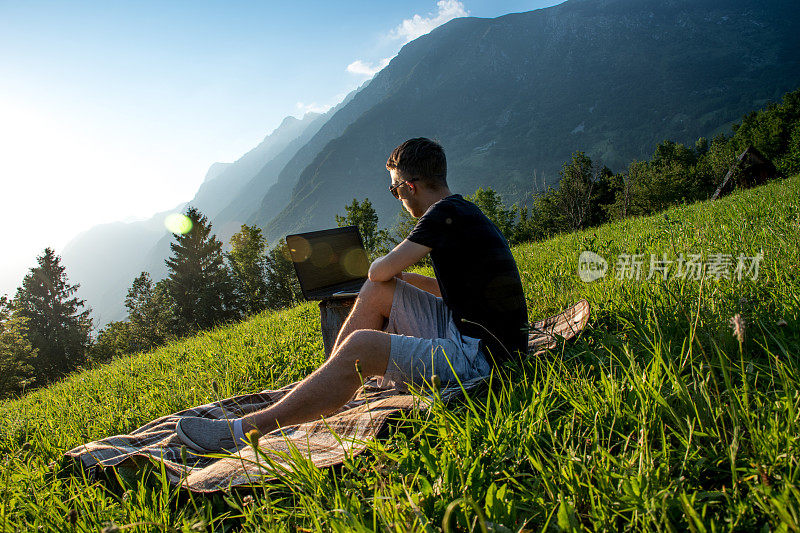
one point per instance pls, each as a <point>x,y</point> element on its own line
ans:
<point>55,324</point>
<point>248,264</point>
<point>199,283</point>
<point>151,313</point>
<point>16,353</point>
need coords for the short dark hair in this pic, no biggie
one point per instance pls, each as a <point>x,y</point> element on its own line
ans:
<point>421,159</point>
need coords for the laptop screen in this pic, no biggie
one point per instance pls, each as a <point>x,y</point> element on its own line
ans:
<point>328,258</point>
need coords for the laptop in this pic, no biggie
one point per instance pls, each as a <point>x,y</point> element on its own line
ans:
<point>331,263</point>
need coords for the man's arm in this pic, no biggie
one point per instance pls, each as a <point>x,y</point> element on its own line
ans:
<point>404,255</point>
<point>426,283</point>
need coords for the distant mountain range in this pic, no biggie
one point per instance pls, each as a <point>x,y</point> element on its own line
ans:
<point>510,99</point>
<point>106,258</point>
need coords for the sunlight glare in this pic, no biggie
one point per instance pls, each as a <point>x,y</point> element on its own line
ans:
<point>178,223</point>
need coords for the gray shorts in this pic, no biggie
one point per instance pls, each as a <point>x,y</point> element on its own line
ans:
<point>426,341</point>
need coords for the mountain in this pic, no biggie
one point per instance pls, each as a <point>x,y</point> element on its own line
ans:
<point>276,198</point>
<point>218,192</point>
<point>511,98</point>
<point>106,258</point>
<point>215,170</point>
<point>248,197</point>
<point>270,189</point>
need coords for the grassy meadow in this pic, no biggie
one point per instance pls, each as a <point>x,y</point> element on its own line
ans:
<point>660,417</point>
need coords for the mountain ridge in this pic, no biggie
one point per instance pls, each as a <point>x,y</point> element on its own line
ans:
<point>511,98</point>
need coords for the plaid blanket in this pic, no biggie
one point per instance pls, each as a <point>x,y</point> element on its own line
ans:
<point>324,442</point>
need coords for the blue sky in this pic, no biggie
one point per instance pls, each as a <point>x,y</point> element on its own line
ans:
<point>115,110</point>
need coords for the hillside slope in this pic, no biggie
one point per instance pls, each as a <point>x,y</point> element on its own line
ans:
<point>657,417</point>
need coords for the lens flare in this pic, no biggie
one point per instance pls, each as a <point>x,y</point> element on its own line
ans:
<point>178,224</point>
<point>355,263</point>
<point>301,248</point>
<point>322,255</point>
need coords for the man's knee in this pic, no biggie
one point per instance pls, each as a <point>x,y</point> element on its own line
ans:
<point>378,294</point>
<point>364,340</point>
<point>378,287</point>
<point>369,347</point>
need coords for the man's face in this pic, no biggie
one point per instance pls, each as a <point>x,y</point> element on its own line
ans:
<point>406,192</point>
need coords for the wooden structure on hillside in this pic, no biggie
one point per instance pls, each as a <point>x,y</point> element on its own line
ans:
<point>332,313</point>
<point>750,169</point>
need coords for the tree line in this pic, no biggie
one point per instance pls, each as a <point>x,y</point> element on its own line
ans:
<point>588,194</point>
<point>46,331</point>
<point>205,287</point>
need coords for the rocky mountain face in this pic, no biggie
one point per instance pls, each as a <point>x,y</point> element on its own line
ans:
<point>215,170</point>
<point>511,98</point>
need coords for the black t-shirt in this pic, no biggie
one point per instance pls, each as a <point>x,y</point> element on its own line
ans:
<point>477,274</point>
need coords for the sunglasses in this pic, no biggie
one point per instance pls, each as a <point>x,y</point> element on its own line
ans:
<point>393,188</point>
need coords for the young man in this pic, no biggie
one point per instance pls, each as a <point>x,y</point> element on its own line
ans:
<point>406,327</point>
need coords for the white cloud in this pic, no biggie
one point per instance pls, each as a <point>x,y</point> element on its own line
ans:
<point>410,29</point>
<point>362,68</point>
<point>313,107</point>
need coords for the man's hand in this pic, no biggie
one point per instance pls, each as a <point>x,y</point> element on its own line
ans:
<point>390,265</point>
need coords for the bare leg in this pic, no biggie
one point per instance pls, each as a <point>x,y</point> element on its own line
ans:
<point>328,387</point>
<point>334,383</point>
<point>372,308</point>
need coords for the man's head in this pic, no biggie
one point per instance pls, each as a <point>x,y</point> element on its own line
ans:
<point>422,160</point>
<point>418,170</point>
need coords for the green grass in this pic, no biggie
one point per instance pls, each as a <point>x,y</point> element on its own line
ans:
<point>657,418</point>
